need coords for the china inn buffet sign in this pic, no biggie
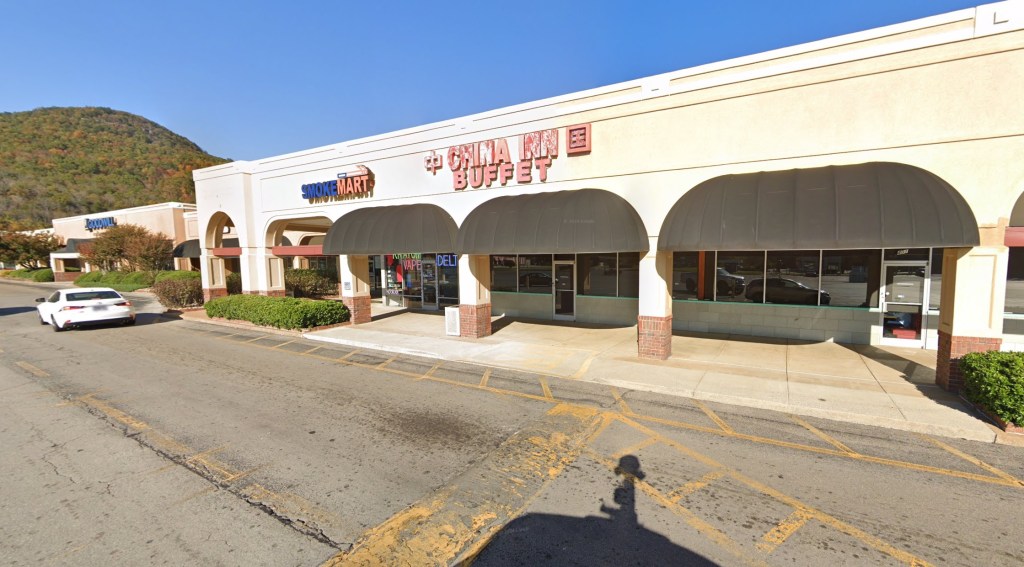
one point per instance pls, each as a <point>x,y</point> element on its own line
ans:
<point>483,164</point>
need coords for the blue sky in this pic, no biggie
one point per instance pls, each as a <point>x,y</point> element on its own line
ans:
<point>246,80</point>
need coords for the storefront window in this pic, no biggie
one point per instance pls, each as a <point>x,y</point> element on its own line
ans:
<point>629,274</point>
<point>1015,282</point>
<point>851,277</point>
<point>733,271</point>
<point>793,278</point>
<point>403,275</point>
<point>447,279</point>
<point>684,275</point>
<point>503,273</point>
<point>596,274</point>
<point>535,273</point>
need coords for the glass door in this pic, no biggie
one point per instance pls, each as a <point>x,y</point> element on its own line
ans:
<point>565,291</point>
<point>904,299</point>
<point>429,282</point>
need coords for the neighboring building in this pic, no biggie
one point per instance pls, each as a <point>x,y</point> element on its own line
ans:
<point>164,218</point>
<point>862,189</point>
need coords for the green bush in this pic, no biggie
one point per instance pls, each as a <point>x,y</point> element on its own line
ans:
<point>310,283</point>
<point>177,275</point>
<point>22,274</point>
<point>996,380</point>
<point>234,283</point>
<point>88,278</point>
<point>179,292</point>
<point>42,275</point>
<point>280,312</point>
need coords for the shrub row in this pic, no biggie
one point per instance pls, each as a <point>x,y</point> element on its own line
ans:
<point>130,281</point>
<point>310,283</point>
<point>37,275</point>
<point>996,380</point>
<point>280,312</point>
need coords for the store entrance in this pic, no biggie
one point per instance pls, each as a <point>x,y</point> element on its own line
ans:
<point>904,295</point>
<point>565,291</point>
<point>421,281</point>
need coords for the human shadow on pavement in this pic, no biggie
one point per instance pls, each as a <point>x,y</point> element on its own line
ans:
<point>618,539</point>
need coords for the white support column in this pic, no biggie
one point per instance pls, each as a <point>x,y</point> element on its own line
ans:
<point>971,309</point>
<point>474,296</point>
<point>354,284</point>
<point>654,323</point>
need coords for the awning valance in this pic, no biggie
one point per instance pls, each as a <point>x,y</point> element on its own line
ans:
<point>869,205</point>
<point>581,221</point>
<point>73,246</point>
<point>392,230</point>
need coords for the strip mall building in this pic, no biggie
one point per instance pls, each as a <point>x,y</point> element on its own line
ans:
<point>861,189</point>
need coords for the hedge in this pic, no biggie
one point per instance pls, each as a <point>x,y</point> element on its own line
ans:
<point>36,275</point>
<point>310,283</point>
<point>996,380</point>
<point>280,312</point>
<point>177,292</point>
<point>121,281</point>
<point>233,282</point>
<point>177,275</point>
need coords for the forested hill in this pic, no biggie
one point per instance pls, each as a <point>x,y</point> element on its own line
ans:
<point>59,162</point>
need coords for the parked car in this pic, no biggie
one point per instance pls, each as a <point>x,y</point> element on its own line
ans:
<point>783,290</point>
<point>71,308</point>
<point>725,282</point>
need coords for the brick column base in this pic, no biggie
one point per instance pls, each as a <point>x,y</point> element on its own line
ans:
<point>654,337</point>
<point>214,292</point>
<point>951,349</point>
<point>275,293</point>
<point>358,308</point>
<point>66,276</point>
<point>475,321</point>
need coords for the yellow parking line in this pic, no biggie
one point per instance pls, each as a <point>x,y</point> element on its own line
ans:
<point>714,417</point>
<point>36,371</point>
<point>971,459</point>
<point>822,517</point>
<point>623,406</point>
<point>483,379</point>
<point>545,388</point>
<point>780,533</point>
<point>824,436</point>
<point>635,448</point>
<point>695,485</point>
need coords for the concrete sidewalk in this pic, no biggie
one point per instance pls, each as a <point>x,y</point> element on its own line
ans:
<point>880,386</point>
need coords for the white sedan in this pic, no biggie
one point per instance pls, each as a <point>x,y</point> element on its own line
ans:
<point>67,308</point>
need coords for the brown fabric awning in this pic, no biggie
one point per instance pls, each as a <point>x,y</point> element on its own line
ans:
<point>581,221</point>
<point>191,248</point>
<point>869,205</point>
<point>398,229</point>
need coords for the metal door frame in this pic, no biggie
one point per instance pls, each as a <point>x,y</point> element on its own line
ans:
<point>554,289</point>
<point>925,299</point>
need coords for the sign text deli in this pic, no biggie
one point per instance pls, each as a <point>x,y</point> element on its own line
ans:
<point>483,164</point>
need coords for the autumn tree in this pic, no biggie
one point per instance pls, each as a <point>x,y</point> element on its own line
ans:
<point>28,249</point>
<point>130,247</point>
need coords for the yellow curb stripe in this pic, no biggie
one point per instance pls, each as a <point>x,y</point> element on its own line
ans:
<point>780,533</point>
<point>1001,474</point>
<point>484,378</point>
<point>34,370</point>
<point>584,367</point>
<point>823,436</point>
<point>714,417</point>
<point>695,485</point>
<point>112,412</point>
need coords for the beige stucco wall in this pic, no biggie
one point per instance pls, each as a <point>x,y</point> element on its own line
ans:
<point>163,218</point>
<point>941,93</point>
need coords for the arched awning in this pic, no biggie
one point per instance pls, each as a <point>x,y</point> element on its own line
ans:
<point>392,230</point>
<point>191,248</point>
<point>581,221</point>
<point>869,205</point>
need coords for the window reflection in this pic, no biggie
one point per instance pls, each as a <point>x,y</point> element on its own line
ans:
<point>629,274</point>
<point>535,273</point>
<point>733,270</point>
<point>851,277</point>
<point>1015,282</point>
<point>596,274</point>
<point>503,273</point>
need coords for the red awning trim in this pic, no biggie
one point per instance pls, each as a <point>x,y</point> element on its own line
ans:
<point>308,250</point>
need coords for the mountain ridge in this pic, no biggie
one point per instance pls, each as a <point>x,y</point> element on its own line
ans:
<point>65,161</point>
